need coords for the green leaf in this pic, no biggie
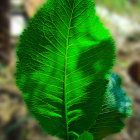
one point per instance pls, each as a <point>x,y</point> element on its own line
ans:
<point>117,106</point>
<point>63,57</point>
<point>85,136</point>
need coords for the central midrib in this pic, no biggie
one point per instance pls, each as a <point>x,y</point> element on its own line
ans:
<point>65,79</point>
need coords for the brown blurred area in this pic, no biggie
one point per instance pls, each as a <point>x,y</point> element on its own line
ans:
<point>122,19</point>
<point>32,5</point>
<point>4,32</point>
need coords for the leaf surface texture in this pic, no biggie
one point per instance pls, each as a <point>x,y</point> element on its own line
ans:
<point>85,136</point>
<point>116,107</point>
<point>63,57</point>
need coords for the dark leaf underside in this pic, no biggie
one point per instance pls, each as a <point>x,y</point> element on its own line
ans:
<point>116,107</point>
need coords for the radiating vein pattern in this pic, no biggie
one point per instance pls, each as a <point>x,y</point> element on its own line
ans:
<point>63,58</point>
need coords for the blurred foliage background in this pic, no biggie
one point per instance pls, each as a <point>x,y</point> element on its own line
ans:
<point>122,17</point>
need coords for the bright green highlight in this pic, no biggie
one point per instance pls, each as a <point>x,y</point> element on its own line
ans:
<point>63,58</point>
<point>85,136</point>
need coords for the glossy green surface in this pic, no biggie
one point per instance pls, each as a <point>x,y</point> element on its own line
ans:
<point>63,57</point>
<point>85,136</point>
